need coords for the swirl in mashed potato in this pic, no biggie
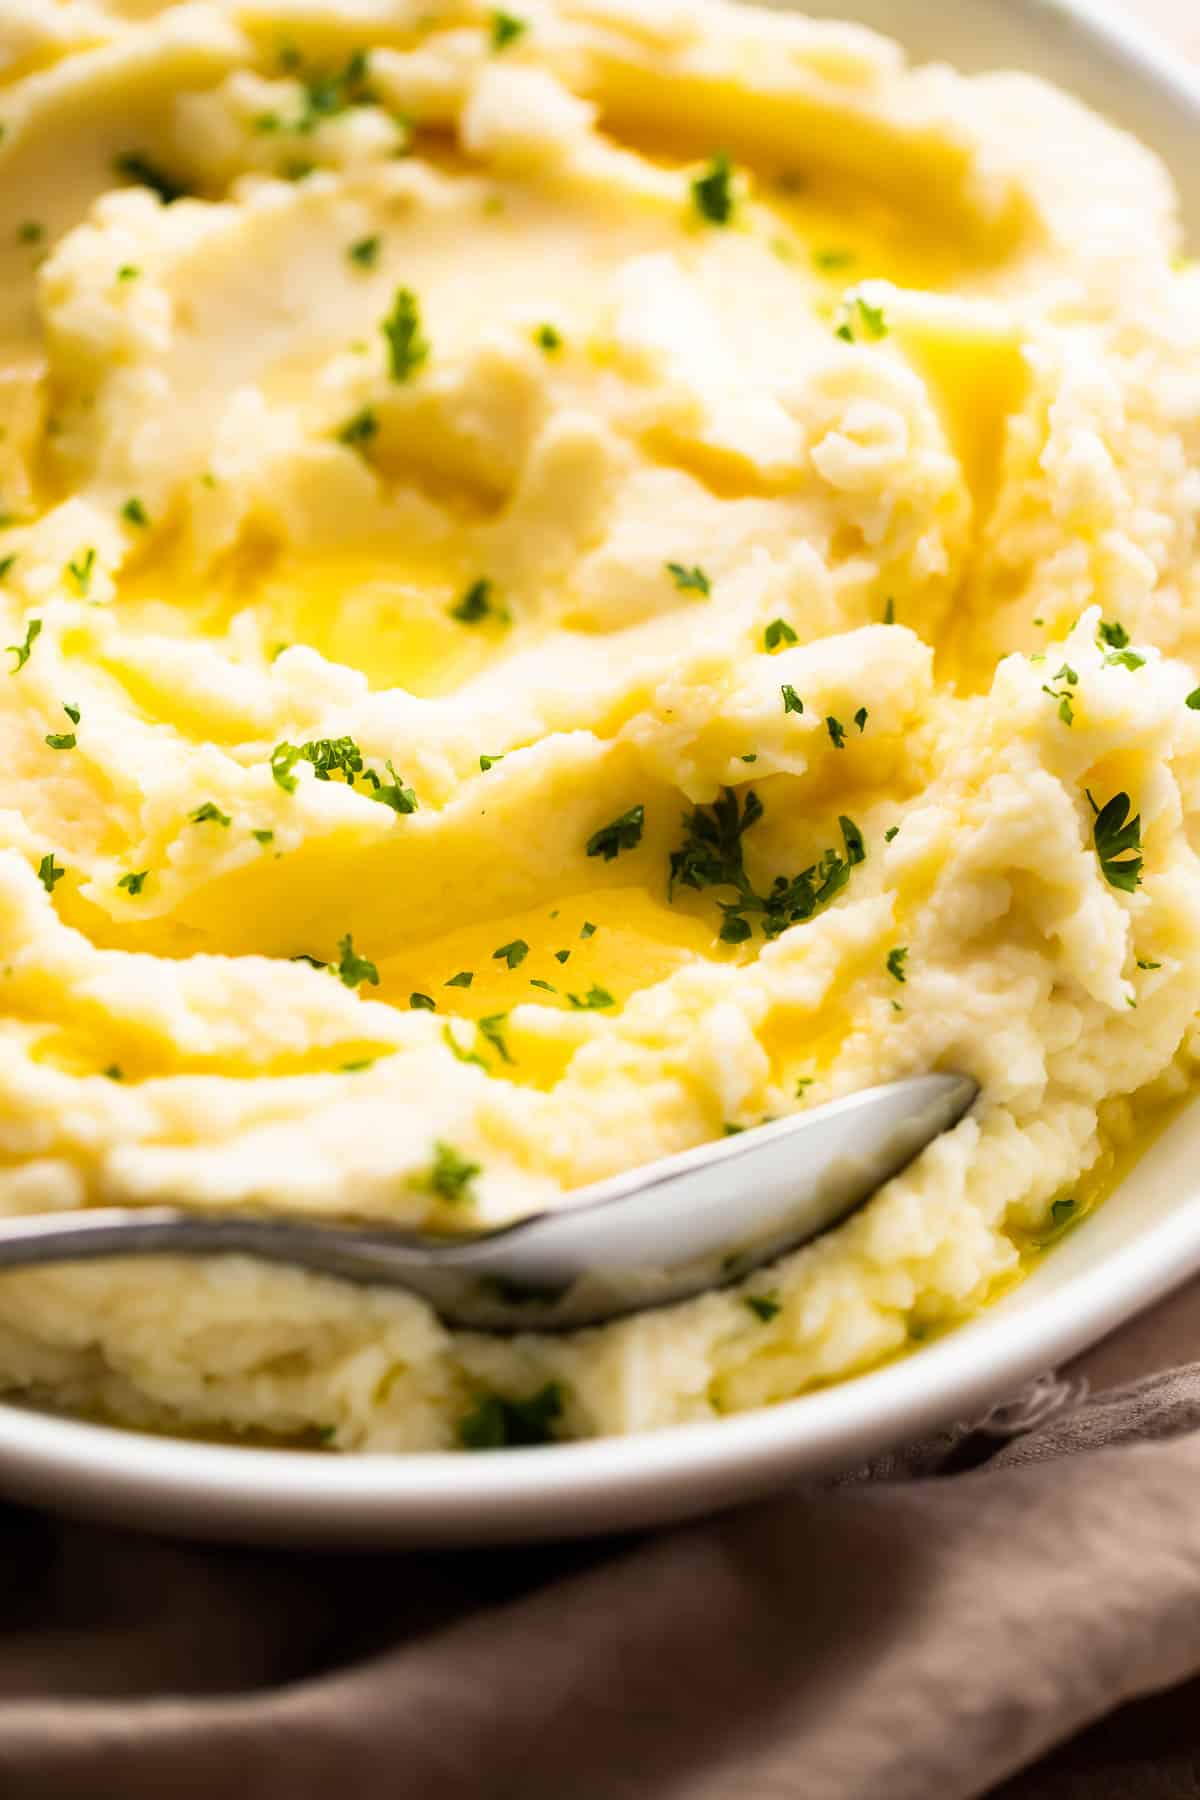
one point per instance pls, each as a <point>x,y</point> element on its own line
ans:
<point>575,580</point>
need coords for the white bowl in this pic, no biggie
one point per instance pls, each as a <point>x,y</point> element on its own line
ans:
<point>1142,1242</point>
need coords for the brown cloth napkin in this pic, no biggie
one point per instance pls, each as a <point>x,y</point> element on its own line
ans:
<point>925,1628</point>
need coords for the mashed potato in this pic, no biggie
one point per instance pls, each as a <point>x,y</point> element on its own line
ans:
<point>574,579</point>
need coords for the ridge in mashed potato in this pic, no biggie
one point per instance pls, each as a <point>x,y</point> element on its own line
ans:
<point>574,580</point>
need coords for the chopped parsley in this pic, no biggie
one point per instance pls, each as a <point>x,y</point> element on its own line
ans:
<point>463,979</point>
<point>506,28</point>
<point>1118,841</point>
<point>837,732</point>
<point>889,611</point>
<point>495,1423</point>
<point>80,571</point>
<point>138,168</point>
<point>861,717</point>
<point>763,1306</point>
<point>689,581</point>
<point>61,740</point>
<point>128,272</point>
<point>391,793</point>
<point>114,1072</point>
<point>513,954</point>
<point>365,252</point>
<point>792,703</point>
<point>134,882</point>
<point>463,1056</point>
<point>340,756</point>
<point>6,565</point>
<point>209,813</point>
<point>134,513</point>
<point>451,1175</point>
<point>360,429</point>
<point>1193,700</point>
<point>22,652</point>
<point>489,762</point>
<point>30,232</point>
<point>896,960</point>
<point>778,632</point>
<point>593,1001</point>
<point>833,259</point>
<point>353,970</point>
<point>422,1003</point>
<point>1112,633</point>
<point>72,713</point>
<point>588,929</point>
<point>327,92</point>
<point>622,834</point>
<point>476,604</point>
<point>536,982</point>
<point>1066,708</point>
<point>1125,659</point>
<point>712,190</point>
<point>407,349</point>
<point>492,1032</point>
<point>49,872</point>
<point>1148,965</point>
<point>263,837</point>
<point>860,321</point>
<point>890,833</point>
<point>561,956</point>
<point>711,855</point>
<point>548,339</point>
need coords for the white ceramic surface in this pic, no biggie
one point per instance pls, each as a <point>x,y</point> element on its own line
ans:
<point>1142,1242</point>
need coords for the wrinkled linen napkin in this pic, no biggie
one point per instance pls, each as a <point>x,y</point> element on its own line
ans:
<point>925,1627</point>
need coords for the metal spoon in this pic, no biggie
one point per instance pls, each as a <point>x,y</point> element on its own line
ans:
<point>658,1234</point>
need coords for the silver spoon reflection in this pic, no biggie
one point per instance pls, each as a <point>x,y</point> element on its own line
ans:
<point>658,1234</point>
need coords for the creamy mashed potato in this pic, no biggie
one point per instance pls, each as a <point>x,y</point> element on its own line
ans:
<point>575,579</point>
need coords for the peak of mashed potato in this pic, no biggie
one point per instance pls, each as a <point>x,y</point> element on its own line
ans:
<point>575,578</point>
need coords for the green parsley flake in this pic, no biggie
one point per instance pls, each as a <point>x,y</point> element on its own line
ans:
<point>365,252</point>
<point>1118,841</point>
<point>476,604</point>
<point>778,632</point>
<point>133,166</point>
<point>134,882</point>
<point>209,813</point>
<point>451,1175</point>
<point>134,513</point>
<point>360,429</point>
<point>128,272</point>
<point>422,1003</point>
<point>890,833</point>
<point>889,612</point>
<point>1066,707</point>
<point>624,833</point>
<point>548,339</point>
<point>407,349</point>
<point>852,837</point>
<point>561,956</point>
<point>513,954</point>
<point>593,1001</point>
<point>353,970</point>
<point>263,837</point>
<point>463,979</point>
<point>837,732</point>
<point>830,260</point>
<point>30,232</point>
<point>712,190</point>
<point>689,581</point>
<point>861,322</point>
<point>61,740</point>
<point>6,565</point>
<point>588,929</point>
<point>1148,965</point>
<point>72,713</point>
<point>49,872</point>
<point>1125,659</point>
<point>23,651</point>
<point>792,703</point>
<point>506,28</point>
<point>114,1072</point>
<point>492,1032</point>
<point>1112,633</point>
<point>498,1424</point>
<point>895,962</point>
<point>489,762</point>
<point>81,571</point>
<point>764,1306</point>
<point>1193,700</point>
<point>547,986</point>
<point>861,717</point>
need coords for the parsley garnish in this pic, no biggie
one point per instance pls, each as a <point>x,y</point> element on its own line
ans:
<point>622,834</point>
<point>860,320</point>
<point>210,812</point>
<point>692,580</point>
<point>263,837</point>
<point>536,982</point>
<point>1193,700</point>
<point>712,191</point>
<point>792,703</point>
<point>33,631</point>
<point>72,713</point>
<point>489,762</point>
<point>548,339</point>
<point>1066,709</point>
<point>365,252</point>
<point>327,93</point>
<point>595,999</point>
<point>463,1056</point>
<point>451,1174</point>
<point>134,882</point>
<point>837,732</point>
<point>1113,634</point>
<point>134,513</point>
<point>588,929</point>
<point>889,611</point>
<point>407,349</point>
<point>778,632</point>
<point>1118,841</point>
<point>712,856</point>
<point>1148,965</point>
<point>30,232</point>
<point>422,1003</point>
<point>353,970</point>
<point>895,962</point>
<point>136,167</point>
<point>833,259</point>
<point>476,604</point>
<point>284,758</point>
<point>49,873</point>
<point>562,956</point>
<point>81,569</point>
<point>6,564</point>
<point>890,833</point>
<point>490,1029</point>
<point>498,1424</point>
<point>763,1306</point>
<point>61,740</point>
<point>360,429</point>
<point>391,793</point>
<point>513,954</point>
<point>463,979</point>
<point>861,717</point>
<point>128,272</point>
<point>506,29</point>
